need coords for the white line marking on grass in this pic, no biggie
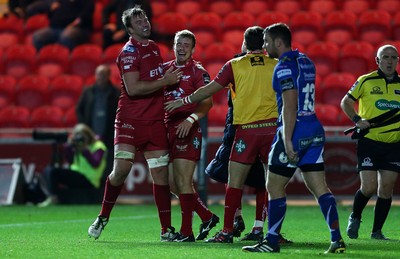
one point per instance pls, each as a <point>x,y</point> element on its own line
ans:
<point>70,221</point>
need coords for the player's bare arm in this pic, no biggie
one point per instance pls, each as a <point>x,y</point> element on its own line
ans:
<point>199,95</point>
<point>201,111</point>
<point>135,87</point>
<point>289,112</point>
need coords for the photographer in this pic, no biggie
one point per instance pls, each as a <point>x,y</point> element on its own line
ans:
<point>86,159</point>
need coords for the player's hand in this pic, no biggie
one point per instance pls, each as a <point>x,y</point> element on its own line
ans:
<point>172,76</point>
<point>183,129</point>
<point>172,105</point>
<point>291,154</point>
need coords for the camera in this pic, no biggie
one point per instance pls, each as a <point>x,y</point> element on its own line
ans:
<point>78,139</point>
<point>59,137</point>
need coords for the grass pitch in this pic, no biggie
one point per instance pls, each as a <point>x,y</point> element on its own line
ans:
<point>133,232</point>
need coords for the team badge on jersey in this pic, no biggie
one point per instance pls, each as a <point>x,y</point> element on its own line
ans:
<point>206,78</point>
<point>256,61</point>
<point>196,143</point>
<point>240,146</point>
<point>129,48</point>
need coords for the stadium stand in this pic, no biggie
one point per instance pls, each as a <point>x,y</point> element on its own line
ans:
<point>356,6</point>
<point>374,26</point>
<point>7,90</point>
<point>34,23</point>
<point>84,59</point>
<point>340,27</point>
<point>64,91</point>
<point>19,60</point>
<point>306,27</point>
<point>270,17</point>
<point>47,116</point>
<point>206,26</point>
<point>325,56</point>
<point>255,7</point>
<point>356,57</point>
<point>14,117</point>
<point>323,7</point>
<point>32,91</point>
<point>53,60</point>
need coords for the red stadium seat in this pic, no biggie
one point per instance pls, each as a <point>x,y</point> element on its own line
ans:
<point>166,52</point>
<point>12,25</point>
<point>327,114</point>
<point>64,91</point>
<point>219,52</point>
<point>8,39</point>
<point>217,115</point>
<point>110,55</point>
<point>222,7</point>
<point>356,57</point>
<point>33,24</point>
<point>306,27</point>
<point>270,17</point>
<point>356,6</point>
<point>19,60</point>
<point>390,6</point>
<point>47,117</point>
<point>289,7</point>
<point>84,59</point>
<point>188,7</point>
<point>255,7</point>
<point>7,90</point>
<point>335,86</point>
<point>32,91</point>
<point>324,54</point>
<point>323,7</point>
<point>169,23</point>
<point>206,26</point>
<point>396,27</point>
<point>213,68</point>
<point>52,60</point>
<point>300,47</point>
<point>70,119</point>
<point>14,117</point>
<point>340,27</point>
<point>233,27</point>
<point>374,26</point>
<point>159,7</point>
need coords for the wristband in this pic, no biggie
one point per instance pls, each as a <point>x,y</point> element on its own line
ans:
<point>356,118</point>
<point>192,118</point>
<point>186,100</point>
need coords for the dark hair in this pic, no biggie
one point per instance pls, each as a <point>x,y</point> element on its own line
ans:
<point>280,30</point>
<point>129,13</point>
<point>253,36</point>
<point>185,34</point>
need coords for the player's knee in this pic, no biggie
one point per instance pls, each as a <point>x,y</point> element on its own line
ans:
<point>158,162</point>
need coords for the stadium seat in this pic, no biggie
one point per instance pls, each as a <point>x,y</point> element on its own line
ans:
<point>306,27</point>
<point>32,91</point>
<point>289,7</point>
<point>188,7</point>
<point>356,6</point>
<point>335,86</point>
<point>327,114</point>
<point>198,54</point>
<point>357,57</point>
<point>70,119</point>
<point>324,54</point>
<point>110,55</point>
<point>14,117</point>
<point>97,17</point>
<point>233,27</point>
<point>374,26</point>
<point>255,7</point>
<point>213,68</point>
<point>7,90</point>
<point>300,47</point>
<point>396,27</point>
<point>167,24</point>
<point>52,60</point>
<point>47,116</point>
<point>390,6</point>
<point>222,7</point>
<point>340,27</point>
<point>34,23</point>
<point>270,17</point>
<point>159,7</point>
<point>219,52</point>
<point>64,91</point>
<point>8,39</point>
<point>323,7</point>
<point>217,115</point>
<point>84,59</point>
<point>19,60</point>
<point>206,26</point>
<point>12,25</point>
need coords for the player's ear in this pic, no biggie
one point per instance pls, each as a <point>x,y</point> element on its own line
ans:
<point>377,60</point>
